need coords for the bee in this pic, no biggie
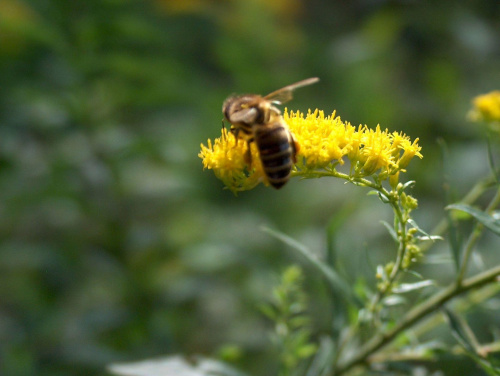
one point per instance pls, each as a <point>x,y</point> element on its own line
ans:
<point>256,119</point>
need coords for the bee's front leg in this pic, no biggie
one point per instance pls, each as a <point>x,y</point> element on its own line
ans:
<point>248,155</point>
<point>234,130</point>
<point>295,147</point>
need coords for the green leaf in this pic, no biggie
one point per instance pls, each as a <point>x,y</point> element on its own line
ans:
<point>406,287</point>
<point>455,239</point>
<point>307,350</point>
<point>440,259</point>
<point>465,337</point>
<point>393,300</point>
<point>414,273</point>
<point>461,330</point>
<point>383,198</point>
<point>426,235</point>
<point>391,230</point>
<point>410,183</point>
<point>336,282</point>
<point>491,161</point>
<point>175,365</point>
<point>483,217</point>
<point>324,358</point>
<point>489,368</point>
<point>268,311</point>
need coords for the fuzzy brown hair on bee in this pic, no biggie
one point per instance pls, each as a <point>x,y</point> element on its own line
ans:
<point>255,118</point>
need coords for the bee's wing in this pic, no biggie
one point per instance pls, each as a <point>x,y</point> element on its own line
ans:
<point>285,94</point>
<point>245,115</point>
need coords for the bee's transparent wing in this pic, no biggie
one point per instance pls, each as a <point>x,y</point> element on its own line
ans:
<point>285,94</point>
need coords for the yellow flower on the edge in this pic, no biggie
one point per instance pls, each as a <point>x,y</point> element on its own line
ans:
<point>410,150</point>
<point>324,142</point>
<point>226,157</point>
<point>486,107</point>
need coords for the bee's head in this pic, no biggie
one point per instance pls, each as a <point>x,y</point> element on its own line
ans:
<point>237,107</point>
<point>227,105</point>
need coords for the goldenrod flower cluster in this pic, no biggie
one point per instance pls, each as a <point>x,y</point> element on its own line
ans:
<point>325,141</point>
<point>486,107</point>
<point>227,157</point>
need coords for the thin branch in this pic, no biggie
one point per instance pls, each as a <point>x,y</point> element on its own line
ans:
<point>474,237</point>
<point>402,234</point>
<point>416,314</point>
<point>471,197</point>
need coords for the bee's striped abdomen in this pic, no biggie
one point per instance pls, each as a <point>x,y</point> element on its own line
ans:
<point>276,153</point>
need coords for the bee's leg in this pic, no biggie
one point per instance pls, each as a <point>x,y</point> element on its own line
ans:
<point>295,147</point>
<point>234,130</point>
<point>223,129</point>
<point>248,155</point>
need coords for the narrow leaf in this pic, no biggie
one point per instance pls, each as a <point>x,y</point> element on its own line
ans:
<point>410,183</point>
<point>174,365</point>
<point>466,338</point>
<point>393,300</point>
<point>432,238</point>
<point>383,198</point>
<point>491,161</point>
<point>426,235</point>
<point>324,358</point>
<point>455,241</point>
<point>336,282</point>
<point>391,230</point>
<point>437,260</point>
<point>406,287</point>
<point>335,223</point>
<point>483,217</point>
<point>454,237</point>
<point>461,330</point>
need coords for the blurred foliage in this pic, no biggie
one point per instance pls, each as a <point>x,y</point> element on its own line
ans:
<point>115,245</point>
<point>288,312</point>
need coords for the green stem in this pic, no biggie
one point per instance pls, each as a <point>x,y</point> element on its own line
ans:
<point>474,237</point>
<point>416,314</point>
<point>395,204</point>
<point>471,197</point>
<point>473,299</point>
<point>311,174</point>
<point>400,254</point>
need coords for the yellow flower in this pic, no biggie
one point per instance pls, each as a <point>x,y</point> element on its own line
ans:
<point>377,151</point>
<point>410,150</point>
<point>324,142</point>
<point>321,138</point>
<point>226,157</point>
<point>486,107</point>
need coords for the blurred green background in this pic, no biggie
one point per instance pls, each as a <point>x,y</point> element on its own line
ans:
<point>117,246</point>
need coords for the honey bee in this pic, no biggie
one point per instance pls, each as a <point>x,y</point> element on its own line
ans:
<point>256,119</point>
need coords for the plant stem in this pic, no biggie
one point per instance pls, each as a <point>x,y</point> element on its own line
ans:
<point>416,314</point>
<point>310,174</point>
<point>474,236</point>
<point>476,191</point>
<point>394,201</point>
